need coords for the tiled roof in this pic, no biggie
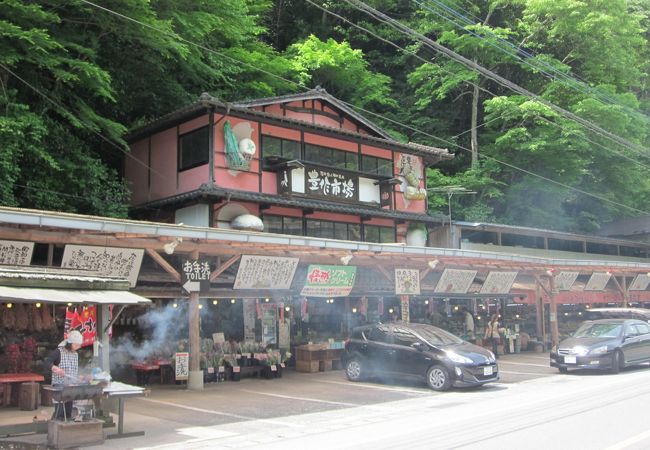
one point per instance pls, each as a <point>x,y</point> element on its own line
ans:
<point>213,192</point>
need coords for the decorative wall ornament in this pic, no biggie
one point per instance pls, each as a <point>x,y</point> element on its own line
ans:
<point>411,172</point>
<point>239,147</point>
<point>247,222</point>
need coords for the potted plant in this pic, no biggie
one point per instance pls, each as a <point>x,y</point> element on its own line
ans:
<point>285,355</point>
<point>233,371</point>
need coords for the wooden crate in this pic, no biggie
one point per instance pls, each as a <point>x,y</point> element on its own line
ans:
<point>30,396</point>
<point>310,352</point>
<point>74,434</point>
<point>307,366</point>
<point>325,365</point>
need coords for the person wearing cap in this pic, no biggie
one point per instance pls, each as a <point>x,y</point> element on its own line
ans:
<point>64,363</point>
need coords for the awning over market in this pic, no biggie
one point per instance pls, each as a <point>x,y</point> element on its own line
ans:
<point>65,296</point>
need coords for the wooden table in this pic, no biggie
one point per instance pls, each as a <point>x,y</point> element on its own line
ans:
<point>6,379</point>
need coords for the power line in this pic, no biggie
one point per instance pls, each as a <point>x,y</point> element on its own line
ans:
<point>542,66</point>
<point>370,112</point>
<point>397,25</point>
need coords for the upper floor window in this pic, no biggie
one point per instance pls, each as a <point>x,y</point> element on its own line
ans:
<point>331,157</point>
<point>522,240</point>
<point>284,148</point>
<point>603,249</point>
<point>565,245</point>
<point>283,225</point>
<point>193,148</point>
<point>380,235</point>
<point>333,230</point>
<point>378,166</point>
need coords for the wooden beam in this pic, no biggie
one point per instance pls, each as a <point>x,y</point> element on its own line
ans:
<point>162,262</point>
<point>224,267</point>
<point>385,273</point>
<point>424,273</point>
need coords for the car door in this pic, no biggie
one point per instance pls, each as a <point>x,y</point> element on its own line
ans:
<point>379,350</point>
<point>409,360</point>
<point>644,341</point>
<point>632,344</point>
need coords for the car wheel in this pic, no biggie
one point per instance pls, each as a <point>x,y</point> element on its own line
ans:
<point>617,362</point>
<point>438,378</point>
<point>354,370</point>
<point>563,370</point>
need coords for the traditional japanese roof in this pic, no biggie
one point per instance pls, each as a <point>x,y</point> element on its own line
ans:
<point>207,103</point>
<point>318,94</point>
<point>207,192</point>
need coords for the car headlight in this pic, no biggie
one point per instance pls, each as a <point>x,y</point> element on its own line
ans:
<point>455,357</point>
<point>580,351</point>
<point>599,350</point>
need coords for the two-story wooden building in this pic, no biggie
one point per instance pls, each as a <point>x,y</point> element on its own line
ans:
<point>303,164</point>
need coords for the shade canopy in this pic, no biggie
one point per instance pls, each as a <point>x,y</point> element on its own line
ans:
<point>102,297</point>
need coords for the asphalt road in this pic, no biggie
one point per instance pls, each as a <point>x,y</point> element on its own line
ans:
<point>532,407</point>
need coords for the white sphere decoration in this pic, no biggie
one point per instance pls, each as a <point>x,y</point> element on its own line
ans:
<point>247,148</point>
<point>247,222</point>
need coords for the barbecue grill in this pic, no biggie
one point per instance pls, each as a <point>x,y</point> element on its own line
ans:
<point>72,392</point>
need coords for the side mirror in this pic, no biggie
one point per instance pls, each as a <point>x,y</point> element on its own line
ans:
<point>419,346</point>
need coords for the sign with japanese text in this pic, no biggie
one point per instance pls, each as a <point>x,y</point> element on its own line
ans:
<point>598,281</point>
<point>109,261</point>
<point>329,281</point>
<point>195,276</point>
<point>407,282</point>
<point>331,183</point>
<point>182,365</point>
<point>404,303</point>
<point>640,283</point>
<point>564,280</point>
<point>265,272</point>
<point>83,320</point>
<point>16,253</point>
<point>498,282</point>
<point>455,281</point>
<point>249,307</point>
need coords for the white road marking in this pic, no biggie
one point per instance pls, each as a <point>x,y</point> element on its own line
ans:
<point>628,442</point>
<point>372,386</point>
<point>210,411</point>
<point>524,373</point>
<point>305,399</point>
<point>523,364</point>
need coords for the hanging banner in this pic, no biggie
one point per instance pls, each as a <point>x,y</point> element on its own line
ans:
<point>329,281</point>
<point>265,272</point>
<point>455,281</point>
<point>407,282</point>
<point>640,283</point>
<point>109,261</point>
<point>16,253</point>
<point>498,282</point>
<point>182,365</point>
<point>85,322</point>
<point>269,323</point>
<point>250,312</point>
<point>564,280</point>
<point>598,281</point>
<point>404,302</point>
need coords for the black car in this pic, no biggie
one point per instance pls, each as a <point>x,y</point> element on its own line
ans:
<point>418,350</point>
<point>607,344</point>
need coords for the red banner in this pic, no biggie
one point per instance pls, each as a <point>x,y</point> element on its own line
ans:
<point>84,322</point>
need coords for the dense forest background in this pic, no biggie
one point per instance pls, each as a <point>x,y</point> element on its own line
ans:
<point>548,113</point>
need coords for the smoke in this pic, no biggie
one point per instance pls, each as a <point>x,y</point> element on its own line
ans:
<point>162,328</point>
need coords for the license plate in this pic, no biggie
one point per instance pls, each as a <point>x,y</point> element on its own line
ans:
<point>488,370</point>
<point>569,360</point>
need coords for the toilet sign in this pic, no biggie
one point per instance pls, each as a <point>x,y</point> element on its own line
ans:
<point>195,276</point>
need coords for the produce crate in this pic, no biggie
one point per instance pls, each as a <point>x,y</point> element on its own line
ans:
<point>307,366</point>
<point>325,365</point>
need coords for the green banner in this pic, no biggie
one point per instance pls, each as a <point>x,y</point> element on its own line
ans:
<point>329,281</point>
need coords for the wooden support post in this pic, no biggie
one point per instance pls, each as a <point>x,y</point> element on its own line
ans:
<point>196,375</point>
<point>622,288</point>
<point>555,333</point>
<point>539,313</point>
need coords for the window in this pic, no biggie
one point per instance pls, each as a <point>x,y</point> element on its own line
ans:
<point>520,240</point>
<point>479,237</point>
<point>601,249</point>
<point>402,336</point>
<point>283,148</point>
<point>331,157</point>
<point>283,225</point>
<point>564,245</point>
<point>333,230</point>
<point>380,235</point>
<point>633,251</point>
<point>193,148</point>
<point>378,334</point>
<point>377,166</point>
<point>642,328</point>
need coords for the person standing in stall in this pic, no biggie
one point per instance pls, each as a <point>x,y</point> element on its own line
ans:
<point>64,364</point>
<point>492,333</point>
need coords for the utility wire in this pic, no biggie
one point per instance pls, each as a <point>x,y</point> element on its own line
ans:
<point>361,6</point>
<point>467,82</point>
<point>525,57</point>
<point>369,112</point>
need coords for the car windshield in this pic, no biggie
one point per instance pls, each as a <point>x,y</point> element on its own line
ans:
<point>436,336</point>
<point>599,330</point>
